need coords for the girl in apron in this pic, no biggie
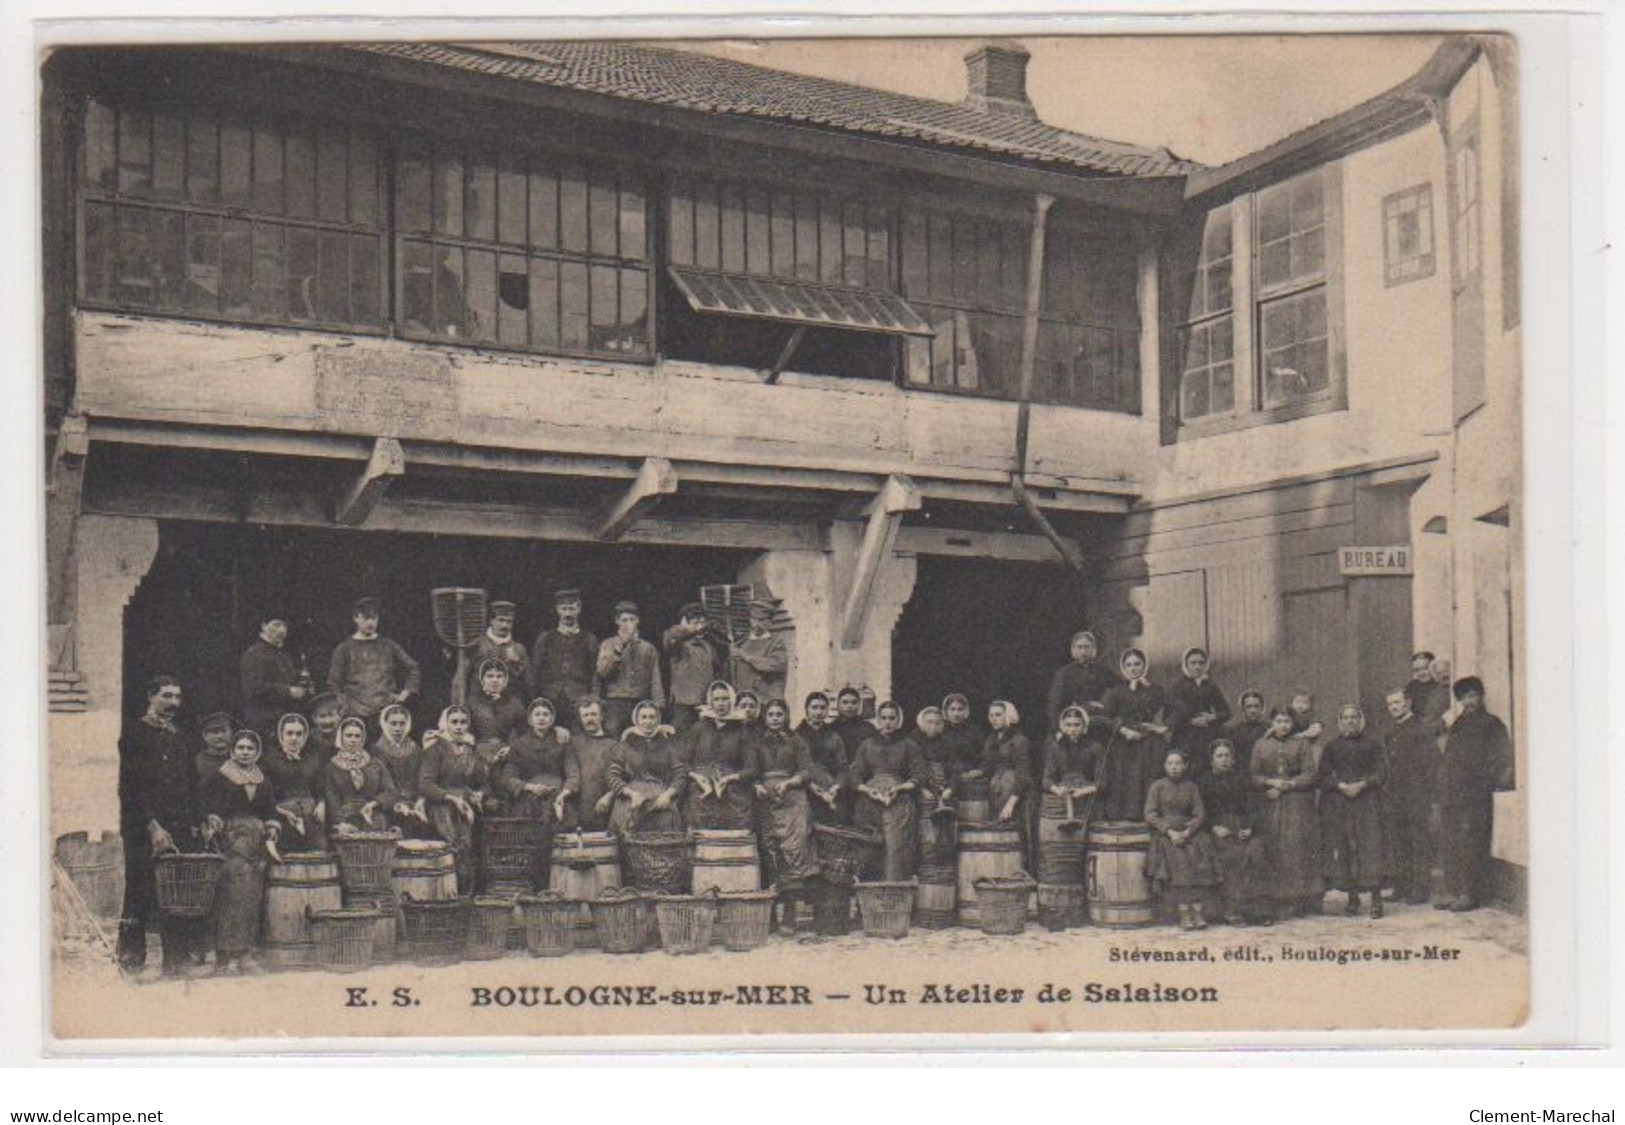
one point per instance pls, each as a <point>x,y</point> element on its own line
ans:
<point>532,776</point>
<point>400,754</point>
<point>646,775</point>
<point>295,771</point>
<point>1285,775</point>
<point>1135,710</point>
<point>785,820</point>
<point>453,783</point>
<point>1182,862</point>
<point>1007,763</point>
<point>239,804</point>
<point>885,772</point>
<point>360,792</point>
<point>721,764</point>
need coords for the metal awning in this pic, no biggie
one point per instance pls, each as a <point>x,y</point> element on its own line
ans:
<point>804,303</point>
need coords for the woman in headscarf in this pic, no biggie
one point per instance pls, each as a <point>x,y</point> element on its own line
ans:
<point>749,704</point>
<point>884,774</point>
<point>359,791</point>
<point>831,802</point>
<point>295,770</point>
<point>239,805</point>
<point>1073,758</point>
<point>721,764</point>
<point>400,754</point>
<point>1284,772</point>
<point>1007,761</point>
<point>1244,862</point>
<point>646,775</point>
<point>531,777</point>
<point>785,820</point>
<point>964,740</point>
<point>1136,711</point>
<point>495,719</point>
<point>1197,709</point>
<point>1351,814</point>
<point>1082,683</point>
<point>453,781</point>
<point>937,822</point>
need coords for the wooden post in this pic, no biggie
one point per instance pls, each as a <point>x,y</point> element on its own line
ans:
<point>656,478</point>
<point>785,355</point>
<point>885,516</point>
<point>65,489</point>
<point>387,462</point>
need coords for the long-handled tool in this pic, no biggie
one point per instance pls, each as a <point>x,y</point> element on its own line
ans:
<point>459,622</point>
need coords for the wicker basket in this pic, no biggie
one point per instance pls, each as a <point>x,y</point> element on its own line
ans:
<point>550,923</point>
<point>886,908</point>
<point>187,882</point>
<point>435,931</point>
<point>514,850</point>
<point>366,859</point>
<point>1062,906</point>
<point>344,938</point>
<point>848,852</point>
<point>621,920</point>
<point>744,919</point>
<point>657,862</point>
<point>832,906</point>
<point>1002,902</point>
<point>686,922</point>
<point>490,917</point>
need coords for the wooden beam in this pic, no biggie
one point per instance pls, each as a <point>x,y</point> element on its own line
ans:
<point>656,479</point>
<point>885,518</point>
<point>387,462</point>
<point>785,355</point>
<point>64,498</point>
<point>952,542</point>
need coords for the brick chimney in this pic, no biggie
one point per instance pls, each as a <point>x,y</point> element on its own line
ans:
<point>996,79</point>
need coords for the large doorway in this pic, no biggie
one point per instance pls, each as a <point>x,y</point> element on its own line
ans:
<point>991,630</point>
<point>198,607</point>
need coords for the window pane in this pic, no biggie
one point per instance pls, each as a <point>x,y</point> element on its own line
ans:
<point>605,314</point>
<point>97,276</point>
<point>202,161</point>
<point>733,229</point>
<point>1216,235</point>
<point>168,156</point>
<point>365,265</point>
<point>784,235</point>
<point>1306,203</point>
<point>480,200</point>
<point>268,287</point>
<point>1309,253</point>
<point>448,290</point>
<point>966,244</point>
<point>1280,324</point>
<point>914,254</point>
<point>1196,348</point>
<point>363,180</point>
<point>1275,263</point>
<point>879,270</point>
<point>680,224</point>
<point>544,210</point>
<point>480,320</point>
<point>417,285</point>
<point>301,174</point>
<point>513,299</point>
<point>758,232</point>
<point>1274,214</point>
<point>707,227</point>
<point>448,194</point>
<point>544,302</point>
<point>203,263</point>
<point>634,225</point>
<point>412,193</point>
<point>1194,399</point>
<point>302,273</point>
<point>806,237</point>
<point>332,175</point>
<point>917,360</point>
<point>511,204</point>
<point>101,146</point>
<point>236,161</point>
<point>236,265</point>
<point>853,252</point>
<point>574,303</point>
<point>603,206</point>
<point>134,152</point>
<point>1224,388</point>
<point>134,280</point>
<point>333,277</point>
<point>267,193</point>
<point>635,311</point>
<point>573,210</point>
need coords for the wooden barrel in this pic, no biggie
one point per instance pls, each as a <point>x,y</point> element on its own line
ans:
<point>985,851</point>
<point>96,868</point>
<point>585,864</point>
<point>1114,874</point>
<point>727,860</point>
<point>295,889</point>
<point>425,871</point>
<point>934,905</point>
<point>974,804</point>
<point>386,927</point>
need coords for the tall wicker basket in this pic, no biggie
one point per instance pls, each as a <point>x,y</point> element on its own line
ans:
<point>886,908</point>
<point>366,860</point>
<point>657,862</point>
<point>1002,901</point>
<point>550,922</point>
<point>621,919</point>
<point>744,919</point>
<point>435,931</point>
<point>686,922</point>
<point>187,883</point>
<point>344,938</point>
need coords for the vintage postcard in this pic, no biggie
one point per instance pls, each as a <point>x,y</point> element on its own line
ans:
<point>605,538</point>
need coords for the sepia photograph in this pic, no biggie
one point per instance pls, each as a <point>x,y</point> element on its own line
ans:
<point>784,536</point>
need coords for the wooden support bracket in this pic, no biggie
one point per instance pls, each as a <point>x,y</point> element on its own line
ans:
<point>785,355</point>
<point>656,479</point>
<point>64,495</point>
<point>387,462</point>
<point>885,516</point>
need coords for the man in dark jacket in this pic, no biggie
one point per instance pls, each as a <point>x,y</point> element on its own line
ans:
<point>271,683</point>
<point>1475,763</point>
<point>693,664</point>
<point>157,788</point>
<point>563,659</point>
<point>1411,757</point>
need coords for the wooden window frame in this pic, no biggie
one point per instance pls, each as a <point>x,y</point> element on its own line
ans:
<point>1210,318</point>
<point>285,125</point>
<point>1396,269</point>
<point>530,162</point>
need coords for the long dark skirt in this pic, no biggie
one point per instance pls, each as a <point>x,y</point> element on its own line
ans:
<point>787,839</point>
<point>1127,774</point>
<point>459,833</point>
<point>239,901</point>
<point>1245,871</point>
<point>313,837</point>
<point>646,818</point>
<point>1464,846</point>
<point>1351,841</point>
<point>898,824</point>
<point>1179,867</point>
<point>733,810</point>
<point>1291,831</point>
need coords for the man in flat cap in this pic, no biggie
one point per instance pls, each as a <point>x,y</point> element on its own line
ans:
<point>693,664</point>
<point>564,659</point>
<point>498,643</point>
<point>1476,763</point>
<point>760,662</point>
<point>628,670</point>
<point>369,671</point>
<point>270,681</point>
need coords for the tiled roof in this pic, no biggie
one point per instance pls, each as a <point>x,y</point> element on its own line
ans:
<point>706,84</point>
